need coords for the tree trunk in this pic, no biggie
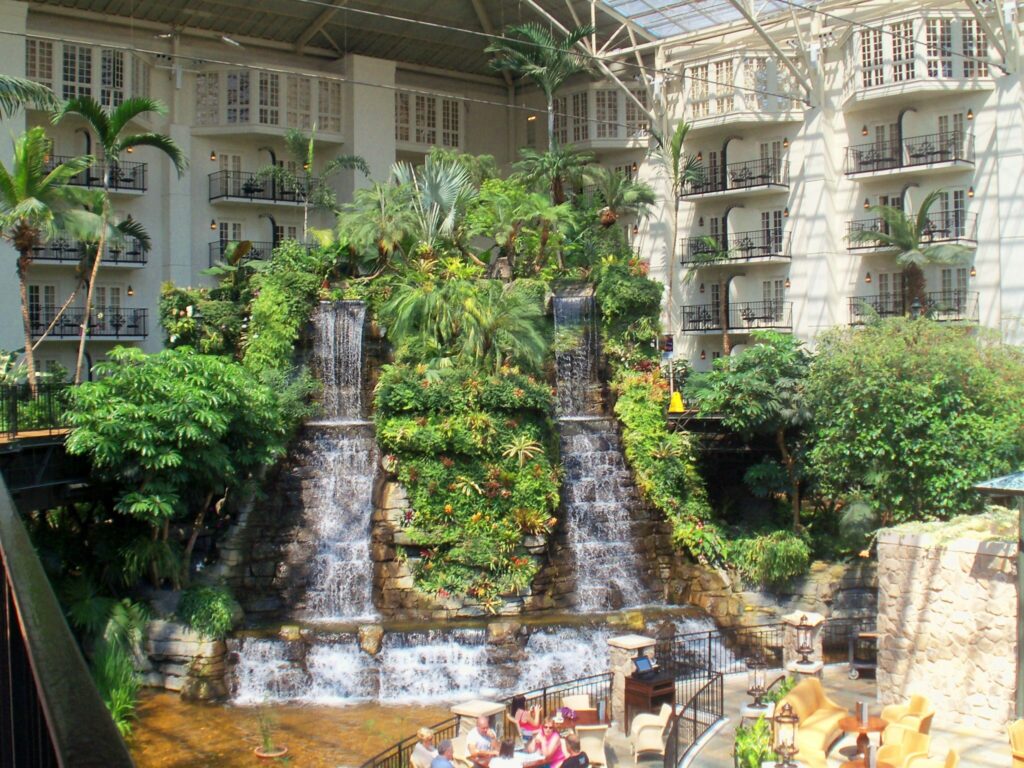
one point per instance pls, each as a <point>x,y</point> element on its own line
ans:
<point>551,122</point>
<point>794,485</point>
<point>914,288</point>
<point>88,296</point>
<point>723,315</point>
<point>30,358</point>
<point>57,316</point>
<point>670,303</point>
<point>197,526</point>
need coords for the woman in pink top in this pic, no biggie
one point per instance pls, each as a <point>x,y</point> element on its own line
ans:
<point>548,742</point>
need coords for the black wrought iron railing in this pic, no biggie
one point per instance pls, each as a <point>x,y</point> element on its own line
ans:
<point>42,411</point>
<point>952,226</point>
<point>258,250</point>
<point>765,172</point>
<point>913,151</point>
<point>942,306</point>
<point>700,318</point>
<point>245,185</point>
<point>696,717</point>
<point>398,755</point>
<point>64,249</point>
<point>104,322</point>
<point>50,711</point>
<point>125,175</point>
<point>750,315</point>
<point>723,650</point>
<point>738,246</point>
<point>550,698</point>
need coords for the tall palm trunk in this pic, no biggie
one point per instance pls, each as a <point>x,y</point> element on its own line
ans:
<point>84,331</point>
<point>30,357</point>
<point>551,121</point>
<point>914,286</point>
<point>723,314</point>
<point>670,303</point>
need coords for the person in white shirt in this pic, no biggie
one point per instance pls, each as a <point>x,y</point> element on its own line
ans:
<point>481,741</point>
<point>506,756</point>
<point>423,753</point>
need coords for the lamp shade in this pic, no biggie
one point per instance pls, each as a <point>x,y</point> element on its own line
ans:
<point>787,725</point>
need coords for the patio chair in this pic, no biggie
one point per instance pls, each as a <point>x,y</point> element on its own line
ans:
<point>592,742</point>
<point>916,714</point>
<point>899,743</point>
<point>923,761</point>
<point>577,701</point>
<point>647,732</point>
<point>1016,732</point>
<point>460,752</point>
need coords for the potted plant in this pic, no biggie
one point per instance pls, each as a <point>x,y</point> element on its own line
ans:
<point>268,750</point>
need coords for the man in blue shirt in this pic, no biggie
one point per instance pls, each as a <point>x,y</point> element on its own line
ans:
<point>445,753</point>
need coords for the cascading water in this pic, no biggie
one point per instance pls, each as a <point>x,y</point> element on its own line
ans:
<point>576,353</point>
<point>337,498</point>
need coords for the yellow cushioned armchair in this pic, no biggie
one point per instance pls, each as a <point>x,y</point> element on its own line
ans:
<point>915,714</point>
<point>819,721</point>
<point>900,743</point>
<point>1016,731</point>
<point>923,761</point>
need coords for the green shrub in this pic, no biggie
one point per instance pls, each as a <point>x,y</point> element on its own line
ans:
<point>777,693</point>
<point>118,684</point>
<point>771,559</point>
<point>207,610</point>
<point>753,745</point>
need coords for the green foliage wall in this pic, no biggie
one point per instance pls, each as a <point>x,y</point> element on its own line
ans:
<point>474,452</point>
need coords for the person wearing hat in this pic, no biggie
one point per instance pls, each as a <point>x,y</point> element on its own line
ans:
<point>423,753</point>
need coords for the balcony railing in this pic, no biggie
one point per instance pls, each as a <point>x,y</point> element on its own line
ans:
<point>751,315</point>
<point>750,174</point>
<point>104,322</point>
<point>942,306</point>
<point>742,246</point>
<point>913,152</point>
<point>701,318</point>
<point>955,226</point>
<point>245,185</point>
<point>125,176</point>
<point>261,251</point>
<point>66,250</point>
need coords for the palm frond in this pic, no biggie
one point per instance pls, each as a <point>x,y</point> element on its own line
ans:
<point>131,108</point>
<point>17,93</point>
<point>159,141</point>
<point>346,162</point>
<point>91,111</point>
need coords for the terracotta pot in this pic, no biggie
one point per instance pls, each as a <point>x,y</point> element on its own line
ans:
<point>273,755</point>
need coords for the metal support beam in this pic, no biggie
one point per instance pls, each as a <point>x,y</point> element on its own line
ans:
<point>747,13</point>
<point>318,23</point>
<point>488,27</point>
<point>994,35</point>
<point>612,39</point>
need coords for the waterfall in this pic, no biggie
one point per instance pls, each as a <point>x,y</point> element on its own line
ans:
<point>597,496</point>
<point>575,353</point>
<point>338,358</point>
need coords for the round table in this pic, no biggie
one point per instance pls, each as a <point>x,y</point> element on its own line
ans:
<point>861,762</point>
<point>862,729</point>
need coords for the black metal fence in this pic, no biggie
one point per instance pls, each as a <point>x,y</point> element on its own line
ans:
<point>952,226</point>
<point>737,246</point>
<point>259,250</point>
<point>397,755</point>
<point>549,699</point>
<point>932,148</point>
<point>245,185</point>
<point>63,249</point>
<point>112,322</point>
<point>125,175</point>
<point>941,306</point>
<point>765,172</point>
<point>694,718</point>
<point>750,315</point>
<point>22,410</point>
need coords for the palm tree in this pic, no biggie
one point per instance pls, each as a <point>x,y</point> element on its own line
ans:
<point>683,169</point>
<point>531,50</point>
<point>554,170</point>
<point>379,218</point>
<point>312,190</point>
<point>501,327</point>
<point>619,194</point>
<point>441,191</point>
<point>910,236</point>
<point>715,252</point>
<point>17,92</point>
<point>113,135</point>
<point>34,203</point>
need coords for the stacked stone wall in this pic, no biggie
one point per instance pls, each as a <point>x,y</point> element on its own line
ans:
<point>947,618</point>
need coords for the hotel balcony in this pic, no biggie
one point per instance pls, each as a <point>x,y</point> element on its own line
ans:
<point>63,249</point>
<point>744,316</point>
<point>247,187</point>
<point>767,246</point>
<point>943,306</point>
<point>104,323</point>
<point>126,177</point>
<point>258,251</point>
<point>956,226</point>
<point>952,150</point>
<point>747,178</point>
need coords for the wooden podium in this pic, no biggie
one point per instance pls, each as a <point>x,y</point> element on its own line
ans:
<point>648,694</point>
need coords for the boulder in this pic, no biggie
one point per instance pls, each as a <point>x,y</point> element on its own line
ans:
<point>371,638</point>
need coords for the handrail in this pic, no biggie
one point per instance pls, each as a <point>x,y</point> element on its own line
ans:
<point>104,322</point>
<point>748,174</point>
<point>742,246</point>
<point>50,711</point>
<point>397,755</point>
<point>65,248</point>
<point>41,411</point>
<point>910,152</point>
<point>125,175</point>
<point>246,185</point>
<point>697,716</point>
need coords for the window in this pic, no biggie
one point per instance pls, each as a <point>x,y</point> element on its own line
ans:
<point>773,292</point>
<point>606,105</point>
<point>450,123</point>
<point>140,78</point>
<point>231,179</point>
<point>561,106</point>
<point>890,293</point>
<point>975,47</point>
<point>238,97</point>
<point>958,215</point>
<point>229,232</point>
<point>111,77</point>
<point>716,301</point>
<point>637,124</point>
<point>329,106</point>
<point>39,61</point>
<point>954,281</point>
<point>724,89</point>
<point>713,178</point>
<point>938,48</point>
<point>402,123</point>
<point>756,76</point>
<point>299,103</point>
<point>871,57</point>
<point>951,136</point>
<point>771,159</point>
<point>106,311</point>
<point>887,143</point>
<point>771,231</point>
<point>426,120</point>
<point>902,51</point>
<point>699,90</point>
<point>77,71</point>
<point>208,98</point>
<point>580,116</point>
<point>270,99</point>
<point>42,304</point>
<point>281,233</point>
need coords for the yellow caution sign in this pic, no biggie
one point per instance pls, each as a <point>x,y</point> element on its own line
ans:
<point>676,404</point>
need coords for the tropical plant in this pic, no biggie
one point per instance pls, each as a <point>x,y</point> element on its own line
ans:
<point>620,195</point>
<point>441,193</point>
<point>378,219</point>
<point>17,93</point>
<point>114,137</point>
<point>522,449</point>
<point>34,204</point>
<point>753,744</point>
<point>554,170</point>
<point>533,51</point>
<point>910,237</point>
<point>771,559</point>
<point>208,610</point>
<point>302,181</point>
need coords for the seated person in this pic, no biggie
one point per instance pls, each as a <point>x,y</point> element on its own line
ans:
<point>445,755</point>
<point>506,756</point>
<point>575,758</point>
<point>481,742</point>
<point>548,743</point>
<point>423,753</point>
<point>528,720</point>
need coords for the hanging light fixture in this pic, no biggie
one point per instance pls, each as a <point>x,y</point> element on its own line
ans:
<point>787,283</point>
<point>864,130</point>
<point>213,223</point>
<point>531,118</point>
<point>970,192</point>
<point>700,221</point>
<point>703,355</point>
<point>867,278</point>
<point>974,271</point>
<point>867,203</point>
<point>131,291</point>
<point>785,143</point>
<point>635,167</point>
<point>129,150</point>
<point>213,155</point>
<point>970,114</point>
<point>785,212</point>
<point>636,229</point>
<point>702,287</point>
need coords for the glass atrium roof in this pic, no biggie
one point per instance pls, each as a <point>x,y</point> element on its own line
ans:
<point>665,18</point>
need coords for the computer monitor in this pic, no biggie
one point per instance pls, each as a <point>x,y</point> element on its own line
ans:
<point>643,665</point>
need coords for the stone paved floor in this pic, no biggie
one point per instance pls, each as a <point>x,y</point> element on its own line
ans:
<point>977,750</point>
